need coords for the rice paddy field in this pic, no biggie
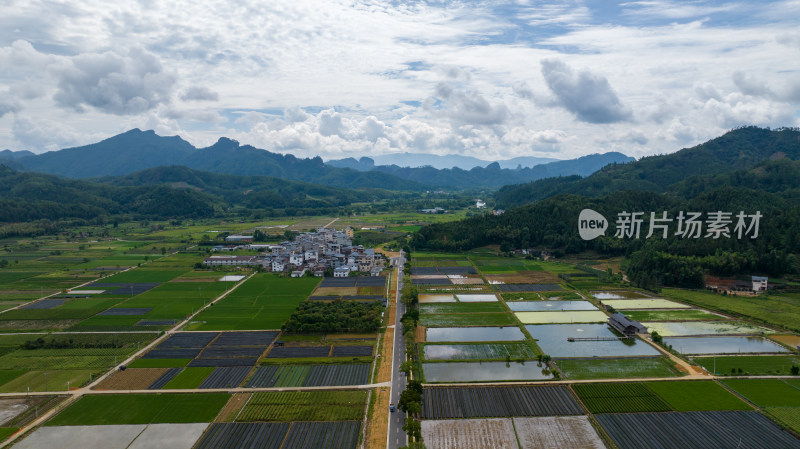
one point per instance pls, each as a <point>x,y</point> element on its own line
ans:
<point>571,316</point>
<point>304,406</point>
<point>265,301</point>
<point>641,304</point>
<point>758,365</point>
<point>767,392</point>
<point>668,329</point>
<point>489,351</point>
<point>672,315</point>
<point>141,409</point>
<point>616,368</point>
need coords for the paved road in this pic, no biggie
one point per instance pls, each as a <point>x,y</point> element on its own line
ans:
<point>397,437</point>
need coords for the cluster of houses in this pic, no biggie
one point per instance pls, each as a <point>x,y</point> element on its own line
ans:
<point>314,252</point>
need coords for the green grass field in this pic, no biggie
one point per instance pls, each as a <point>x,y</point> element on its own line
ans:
<point>141,409</point>
<point>697,396</point>
<point>7,375</point>
<point>305,406</point>
<point>787,416</point>
<point>189,378</point>
<point>781,310</point>
<point>620,398</point>
<point>159,363</point>
<point>766,392</point>
<point>749,365</point>
<point>6,432</point>
<point>460,307</point>
<point>263,302</point>
<point>467,319</point>
<point>623,368</point>
<point>50,380</point>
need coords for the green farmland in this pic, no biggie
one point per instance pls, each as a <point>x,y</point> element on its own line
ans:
<point>263,302</point>
<point>756,365</point>
<point>305,406</point>
<point>697,396</point>
<point>141,409</point>
<point>766,392</point>
<point>622,368</point>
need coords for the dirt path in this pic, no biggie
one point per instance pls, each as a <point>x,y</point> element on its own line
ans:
<point>332,222</point>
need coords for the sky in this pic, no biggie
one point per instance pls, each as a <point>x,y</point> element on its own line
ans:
<point>494,80</point>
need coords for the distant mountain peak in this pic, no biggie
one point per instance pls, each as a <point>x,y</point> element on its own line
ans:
<point>226,143</point>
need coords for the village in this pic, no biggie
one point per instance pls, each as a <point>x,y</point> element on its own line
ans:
<point>326,252</point>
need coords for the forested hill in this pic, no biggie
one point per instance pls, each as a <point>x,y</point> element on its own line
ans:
<point>738,149</point>
<point>771,187</point>
<point>137,150</point>
<point>26,197</point>
<point>262,192</point>
<point>165,193</point>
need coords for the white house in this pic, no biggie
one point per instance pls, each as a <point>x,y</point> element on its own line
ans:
<point>296,259</point>
<point>760,283</point>
<point>341,272</point>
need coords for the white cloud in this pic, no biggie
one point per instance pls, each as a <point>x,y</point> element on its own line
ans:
<point>122,85</point>
<point>8,104</point>
<point>586,94</point>
<point>199,93</point>
<point>375,76</point>
<point>676,10</point>
<point>43,134</point>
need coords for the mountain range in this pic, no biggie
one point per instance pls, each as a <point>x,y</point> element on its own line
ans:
<point>137,150</point>
<point>414,160</point>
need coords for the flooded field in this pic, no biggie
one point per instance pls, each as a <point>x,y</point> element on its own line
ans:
<point>723,345</point>
<point>573,316</point>
<point>488,351</point>
<point>482,371</point>
<point>655,303</point>
<point>476,298</point>
<point>552,338</point>
<point>618,295</point>
<point>543,306</point>
<point>704,328</point>
<point>456,334</point>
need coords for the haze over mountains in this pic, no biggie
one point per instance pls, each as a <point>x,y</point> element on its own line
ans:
<point>137,150</point>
